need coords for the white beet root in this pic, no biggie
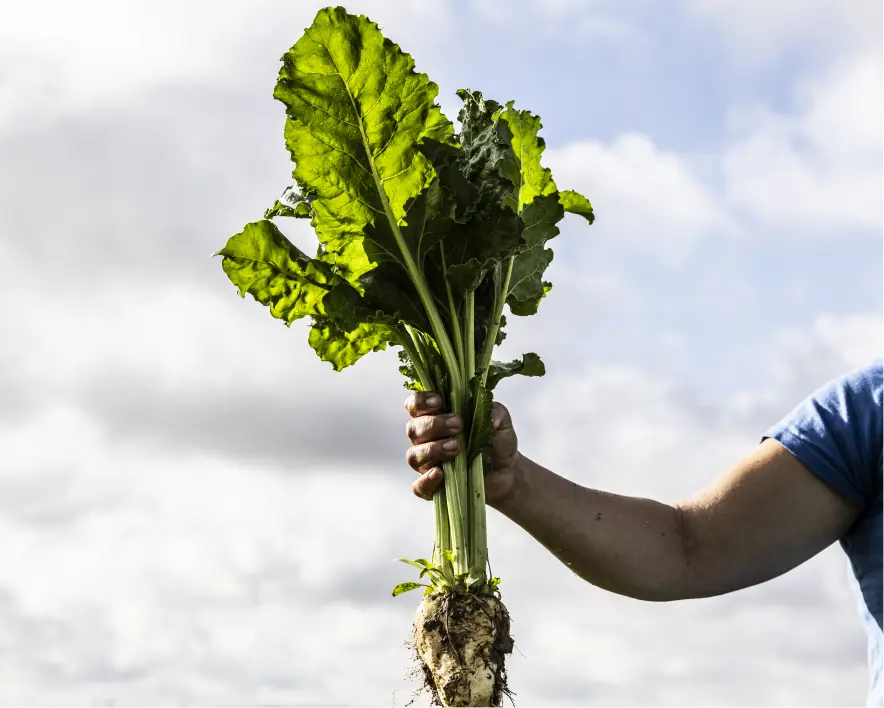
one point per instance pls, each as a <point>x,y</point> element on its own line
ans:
<point>462,641</point>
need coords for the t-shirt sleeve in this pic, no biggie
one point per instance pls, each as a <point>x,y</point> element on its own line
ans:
<point>837,431</point>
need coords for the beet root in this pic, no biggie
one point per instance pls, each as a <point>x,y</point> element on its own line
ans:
<point>462,640</point>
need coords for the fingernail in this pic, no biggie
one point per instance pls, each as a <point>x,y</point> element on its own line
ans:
<point>434,474</point>
<point>450,445</point>
<point>453,423</point>
<point>431,401</point>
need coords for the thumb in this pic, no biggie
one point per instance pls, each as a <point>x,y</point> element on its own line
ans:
<point>500,417</point>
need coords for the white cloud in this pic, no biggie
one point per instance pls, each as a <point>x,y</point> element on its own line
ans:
<point>819,167</point>
<point>759,30</point>
<point>186,578</point>
<point>645,198</point>
<point>140,570</point>
<point>58,57</point>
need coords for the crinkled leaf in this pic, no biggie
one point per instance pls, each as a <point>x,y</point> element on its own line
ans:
<point>484,150</point>
<point>356,112</point>
<point>343,348</point>
<point>529,365</point>
<point>261,261</point>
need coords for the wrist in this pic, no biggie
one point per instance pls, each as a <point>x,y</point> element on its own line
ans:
<point>517,477</point>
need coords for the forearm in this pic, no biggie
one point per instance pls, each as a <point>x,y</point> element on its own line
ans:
<point>628,545</point>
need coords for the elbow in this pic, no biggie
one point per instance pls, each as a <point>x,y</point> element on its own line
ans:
<point>672,573</point>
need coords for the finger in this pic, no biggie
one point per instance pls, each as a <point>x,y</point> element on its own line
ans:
<point>427,483</point>
<point>428,428</point>
<point>500,417</point>
<point>423,403</point>
<point>423,457</point>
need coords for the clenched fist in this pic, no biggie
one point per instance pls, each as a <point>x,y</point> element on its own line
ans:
<point>432,435</point>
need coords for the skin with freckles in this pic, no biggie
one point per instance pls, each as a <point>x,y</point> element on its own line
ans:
<point>761,518</point>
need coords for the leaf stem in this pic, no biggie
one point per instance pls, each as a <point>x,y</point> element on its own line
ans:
<point>493,329</point>
<point>417,353</point>
<point>455,471</point>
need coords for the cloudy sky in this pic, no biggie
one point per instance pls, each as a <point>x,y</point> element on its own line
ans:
<point>195,510</point>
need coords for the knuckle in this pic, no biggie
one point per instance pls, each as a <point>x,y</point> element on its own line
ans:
<point>426,429</point>
<point>411,405</point>
<point>418,491</point>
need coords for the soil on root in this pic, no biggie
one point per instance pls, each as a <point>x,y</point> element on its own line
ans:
<point>461,642</point>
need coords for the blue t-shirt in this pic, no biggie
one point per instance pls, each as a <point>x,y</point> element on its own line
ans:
<point>837,433</point>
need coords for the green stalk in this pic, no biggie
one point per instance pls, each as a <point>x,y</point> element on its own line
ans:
<point>418,355</point>
<point>462,352</point>
<point>494,327</point>
<point>478,519</point>
<point>469,327</point>
<point>411,266</point>
<point>476,476</point>
<point>456,472</point>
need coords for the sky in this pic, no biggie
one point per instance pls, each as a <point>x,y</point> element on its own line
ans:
<point>194,509</point>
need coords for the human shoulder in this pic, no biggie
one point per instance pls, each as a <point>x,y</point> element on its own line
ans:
<point>837,432</point>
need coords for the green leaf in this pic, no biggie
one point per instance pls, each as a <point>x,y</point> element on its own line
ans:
<point>527,287</point>
<point>481,428</point>
<point>523,166</point>
<point>489,237</point>
<point>427,218</point>
<point>575,203</point>
<point>540,206</point>
<point>407,587</point>
<point>483,149</point>
<point>487,232</point>
<point>529,365</point>
<point>501,335</point>
<point>356,113</point>
<point>261,261</point>
<point>449,555</point>
<point>406,368</point>
<point>343,348</point>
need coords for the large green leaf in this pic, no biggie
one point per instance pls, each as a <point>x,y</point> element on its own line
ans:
<point>356,112</point>
<point>260,260</point>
